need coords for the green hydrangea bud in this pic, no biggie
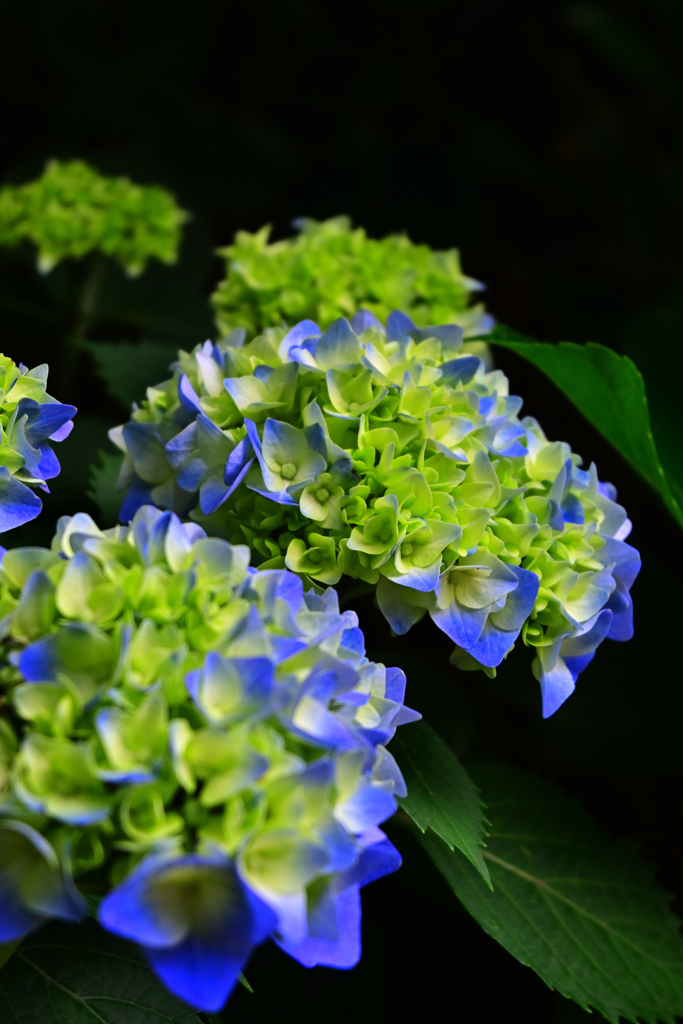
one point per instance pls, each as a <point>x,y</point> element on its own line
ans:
<point>72,210</point>
<point>330,269</point>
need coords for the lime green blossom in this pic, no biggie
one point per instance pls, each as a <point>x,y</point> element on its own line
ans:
<point>331,269</point>
<point>72,210</point>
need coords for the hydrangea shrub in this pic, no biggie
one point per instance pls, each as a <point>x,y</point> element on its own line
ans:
<point>200,743</point>
<point>30,420</point>
<point>72,210</point>
<point>386,455</point>
<point>330,269</point>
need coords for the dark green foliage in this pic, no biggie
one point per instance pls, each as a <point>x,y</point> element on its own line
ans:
<point>83,975</point>
<point>609,391</point>
<point>581,910</point>
<point>441,795</point>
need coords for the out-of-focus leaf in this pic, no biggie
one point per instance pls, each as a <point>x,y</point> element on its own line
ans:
<point>83,975</point>
<point>128,369</point>
<point>102,487</point>
<point>609,390</point>
<point>6,951</point>
<point>441,795</point>
<point>584,912</point>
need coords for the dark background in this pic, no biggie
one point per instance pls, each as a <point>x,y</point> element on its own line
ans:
<point>543,141</point>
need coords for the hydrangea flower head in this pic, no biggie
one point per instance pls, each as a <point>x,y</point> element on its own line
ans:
<point>205,742</point>
<point>330,269</point>
<point>384,454</point>
<point>72,210</point>
<point>29,420</point>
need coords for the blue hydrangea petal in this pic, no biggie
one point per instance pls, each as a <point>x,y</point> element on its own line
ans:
<point>417,578</point>
<point>623,557</point>
<point>493,644</point>
<point>621,606</point>
<point>188,397</point>
<point>363,320</point>
<point>577,665</point>
<point>557,682</point>
<point>395,607</point>
<point>572,510</point>
<point>18,503</point>
<point>191,473</point>
<point>180,447</point>
<point>399,326</point>
<point>463,625</point>
<point>591,636</point>
<point>519,602</point>
<point>300,333</point>
<point>138,494</point>
<point>63,432</point>
<point>48,467</point>
<point>344,951</point>
<point>44,421</point>
<point>367,807</point>
<point>460,370</point>
<point>239,461</point>
<point>378,858</point>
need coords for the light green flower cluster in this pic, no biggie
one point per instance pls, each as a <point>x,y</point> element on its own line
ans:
<point>387,456</point>
<point>72,210</point>
<point>331,269</point>
<point>160,697</point>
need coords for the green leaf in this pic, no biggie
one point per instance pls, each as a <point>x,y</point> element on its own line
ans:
<point>609,390</point>
<point>83,975</point>
<point>441,795</point>
<point>6,951</point>
<point>102,487</point>
<point>128,369</point>
<point>581,910</point>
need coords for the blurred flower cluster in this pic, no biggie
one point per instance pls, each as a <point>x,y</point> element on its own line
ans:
<point>72,210</point>
<point>200,744</point>
<point>29,420</point>
<point>331,269</point>
<point>388,456</point>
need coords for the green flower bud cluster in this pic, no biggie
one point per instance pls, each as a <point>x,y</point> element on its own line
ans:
<point>387,456</point>
<point>160,697</point>
<point>72,210</point>
<point>331,269</point>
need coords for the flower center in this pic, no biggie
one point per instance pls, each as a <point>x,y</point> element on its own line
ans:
<point>385,535</point>
<point>322,494</point>
<point>407,550</point>
<point>315,555</point>
<point>288,470</point>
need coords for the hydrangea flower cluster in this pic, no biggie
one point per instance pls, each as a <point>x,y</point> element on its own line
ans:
<point>201,744</point>
<point>388,456</point>
<point>29,420</point>
<point>331,269</point>
<point>72,210</point>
